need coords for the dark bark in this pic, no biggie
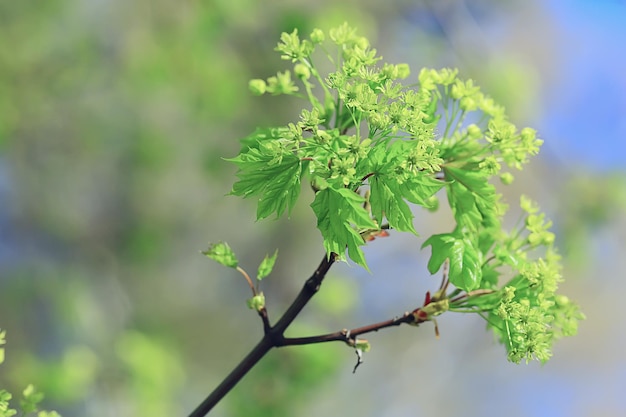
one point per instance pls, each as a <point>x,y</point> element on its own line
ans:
<point>273,337</point>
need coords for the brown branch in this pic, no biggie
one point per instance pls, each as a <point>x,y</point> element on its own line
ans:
<point>349,336</point>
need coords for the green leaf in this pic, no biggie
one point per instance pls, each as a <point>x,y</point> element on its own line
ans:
<point>465,265</point>
<point>271,172</point>
<point>261,134</point>
<point>393,182</point>
<point>472,198</point>
<point>266,266</point>
<point>490,276</point>
<point>420,188</point>
<point>465,260</point>
<point>223,254</point>
<point>340,216</point>
<point>440,247</point>
<point>386,200</point>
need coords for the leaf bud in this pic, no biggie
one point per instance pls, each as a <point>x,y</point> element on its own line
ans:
<point>257,302</point>
<point>362,344</point>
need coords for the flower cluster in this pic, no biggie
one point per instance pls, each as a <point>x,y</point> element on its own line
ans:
<point>370,145</point>
<point>526,313</point>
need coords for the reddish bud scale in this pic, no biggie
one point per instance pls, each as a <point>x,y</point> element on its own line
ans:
<point>420,315</point>
<point>427,298</point>
<point>374,235</point>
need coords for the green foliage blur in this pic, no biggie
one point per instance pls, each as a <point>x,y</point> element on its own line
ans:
<point>114,119</point>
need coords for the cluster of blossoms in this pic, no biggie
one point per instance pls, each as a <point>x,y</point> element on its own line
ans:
<point>369,145</point>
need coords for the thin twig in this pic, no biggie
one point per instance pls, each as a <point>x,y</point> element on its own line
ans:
<point>350,335</point>
<point>247,277</point>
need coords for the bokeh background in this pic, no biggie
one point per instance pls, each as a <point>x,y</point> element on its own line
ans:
<point>114,118</point>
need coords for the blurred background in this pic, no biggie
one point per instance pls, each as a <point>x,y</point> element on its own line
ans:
<point>114,119</point>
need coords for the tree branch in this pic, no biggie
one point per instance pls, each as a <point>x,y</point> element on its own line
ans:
<point>349,336</point>
<point>234,377</point>
<point>311,286</point>
<point>273,337</point>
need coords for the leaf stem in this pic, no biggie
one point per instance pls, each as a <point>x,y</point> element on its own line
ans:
<point>247,277</point>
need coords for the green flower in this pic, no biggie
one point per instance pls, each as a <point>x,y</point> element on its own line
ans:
<point>281,84</point>
<point>293,48</point>
<point>317,36</point>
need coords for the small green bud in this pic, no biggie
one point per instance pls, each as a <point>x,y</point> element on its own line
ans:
<point>257,86</point>
<point>433,203</point>
<point>548,238</point>
<point>490,165</point>
<point>502,312</point>
<point>490,108</point>
<point>507,178</point>
<point>508,294</point>
<point>535,239</point>
<point>468,104</point>
<point>281,84</point>
<point>436,308</point>
<point>474,131</point>
<point>456,91</point>
<point>257,302</point>
<point>302,71</point>
<point>317,36</point>
<point>426,79</point>
<point>528,205</point>
<point>378,121</point>
<point>447,76</point>
<point>561,300</point>
<point>362,42</point>
<point>319,183</point>
<point>403,71</point>
<point>322,137</point>
<point>528,135</point>
<point>363,344</point>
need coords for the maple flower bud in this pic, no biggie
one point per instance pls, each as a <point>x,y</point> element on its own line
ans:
<point>257,86</point>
